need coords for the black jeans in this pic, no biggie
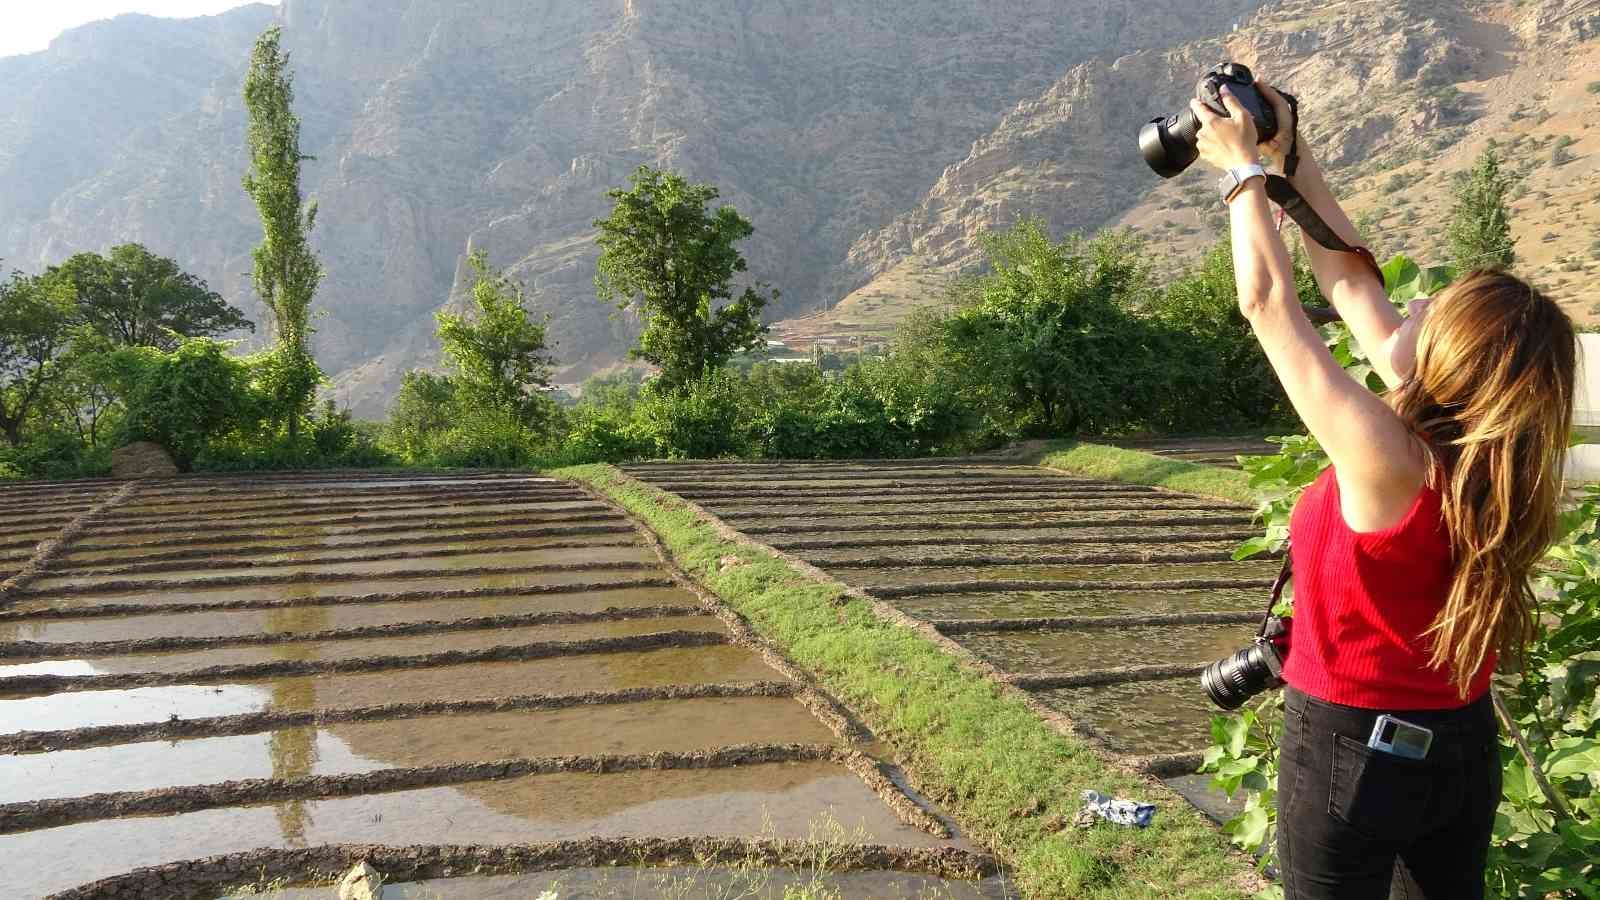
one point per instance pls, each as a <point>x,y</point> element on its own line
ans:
<point>1352,819</point>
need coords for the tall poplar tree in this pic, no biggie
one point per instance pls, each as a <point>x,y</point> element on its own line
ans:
<point>286,269</point>
<point>1480,218</point>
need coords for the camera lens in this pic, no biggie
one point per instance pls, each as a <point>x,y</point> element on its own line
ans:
<point>1168,144</point>
<point>1230,682</point>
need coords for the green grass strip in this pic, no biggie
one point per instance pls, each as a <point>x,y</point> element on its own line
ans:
<point>1117,464</point>
<point>984,756</point>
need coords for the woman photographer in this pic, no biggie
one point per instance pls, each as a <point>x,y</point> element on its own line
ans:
<point>1412,552</point>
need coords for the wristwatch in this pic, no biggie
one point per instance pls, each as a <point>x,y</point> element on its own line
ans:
<point>1235,178</point>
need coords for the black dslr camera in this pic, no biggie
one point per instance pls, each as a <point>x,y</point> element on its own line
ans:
<point>1232,681</point>
<point>1168,143</point>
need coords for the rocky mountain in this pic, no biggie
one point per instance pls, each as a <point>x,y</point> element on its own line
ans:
<point>440,127</point>
<point>870,143</point>
<point>1398,97</point>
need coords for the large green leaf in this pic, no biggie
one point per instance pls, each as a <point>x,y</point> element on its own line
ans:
<point>1577,760</point>
<point>1249,830</point>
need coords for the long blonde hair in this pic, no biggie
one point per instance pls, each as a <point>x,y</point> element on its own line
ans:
<point>1491,397</point>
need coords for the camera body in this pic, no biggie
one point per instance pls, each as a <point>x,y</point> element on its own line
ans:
<point>1169,143</point>
<point>1232,681</point>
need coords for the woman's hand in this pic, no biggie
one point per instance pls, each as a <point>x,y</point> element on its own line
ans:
<point>1226,142</point>
<point>1276,150</point>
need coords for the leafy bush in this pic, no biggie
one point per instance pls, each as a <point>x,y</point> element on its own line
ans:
<point>703,419</point>
<point>423,409</point>
<point>185,398</point>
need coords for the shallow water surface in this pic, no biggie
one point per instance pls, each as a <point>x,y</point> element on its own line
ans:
<point>357,648</point>
<point>782,800</point>
<point>1120,572</point>
<point>322,618</point>
<point>202,570</point>
<point>1087,649</point>
<point>1141,718</point>
<point>560,675</point>
<point>668,725</point>
<point>1031,604</point>
<point>201,593</point>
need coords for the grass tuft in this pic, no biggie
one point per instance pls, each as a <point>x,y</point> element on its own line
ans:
<point>989,760</point>
<point>1117,464</point>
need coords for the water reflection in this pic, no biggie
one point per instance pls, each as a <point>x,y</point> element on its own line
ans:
<point>294,751</point>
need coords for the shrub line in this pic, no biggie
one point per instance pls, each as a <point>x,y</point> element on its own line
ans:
<point>997,760</point>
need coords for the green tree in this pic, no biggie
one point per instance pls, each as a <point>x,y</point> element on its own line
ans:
<point>85,398</point>
<point>36,316</point>
<point>134,297</point>
<point>499,354</point>
<point>185,398</point>
<point>423,409</point>
<point>1480,218</point>
<point>667,255</point>
<point>286,269</point>
<point>1049,337</point>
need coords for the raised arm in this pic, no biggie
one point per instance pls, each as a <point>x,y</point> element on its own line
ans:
<point>1344,278</point>
<point>1380,466</point>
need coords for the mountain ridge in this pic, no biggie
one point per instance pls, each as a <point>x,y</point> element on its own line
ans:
<point>871,146</point>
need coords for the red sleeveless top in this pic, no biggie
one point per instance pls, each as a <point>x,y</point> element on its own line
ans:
<point>1362,602</point>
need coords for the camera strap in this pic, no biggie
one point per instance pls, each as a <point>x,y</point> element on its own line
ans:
<point>1282,192</point>
<point>1278,584</point>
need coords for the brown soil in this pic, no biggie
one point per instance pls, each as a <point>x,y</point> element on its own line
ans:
<point>66,649</point>
<point>210,877</point>
<point>45,610</point>
<point>26,685</point>
<point>272,720</point>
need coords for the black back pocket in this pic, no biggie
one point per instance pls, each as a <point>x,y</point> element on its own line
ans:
<point>1380,795</point>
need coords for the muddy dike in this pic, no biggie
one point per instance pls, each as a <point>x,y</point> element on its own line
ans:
<point>205,879</point>
<point>34,685</point>
<point>97,610</point>
<point>53,813</point>
<point>277,554</point>
<point>70,649</point>
<point>177,729</point>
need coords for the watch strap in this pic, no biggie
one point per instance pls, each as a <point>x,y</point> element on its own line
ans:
<point>1236,178</point>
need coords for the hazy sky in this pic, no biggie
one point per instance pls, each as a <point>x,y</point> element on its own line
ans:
<point>30,25</point>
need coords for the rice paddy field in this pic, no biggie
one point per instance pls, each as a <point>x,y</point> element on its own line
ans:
<point>1103,600</point>
<point>495,684</point>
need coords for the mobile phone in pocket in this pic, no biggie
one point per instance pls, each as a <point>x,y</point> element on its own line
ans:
<point>1400,738</point>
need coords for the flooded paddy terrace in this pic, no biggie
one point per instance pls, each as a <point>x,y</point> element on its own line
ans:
<point>205,679</point>
<point>1103,600</point>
